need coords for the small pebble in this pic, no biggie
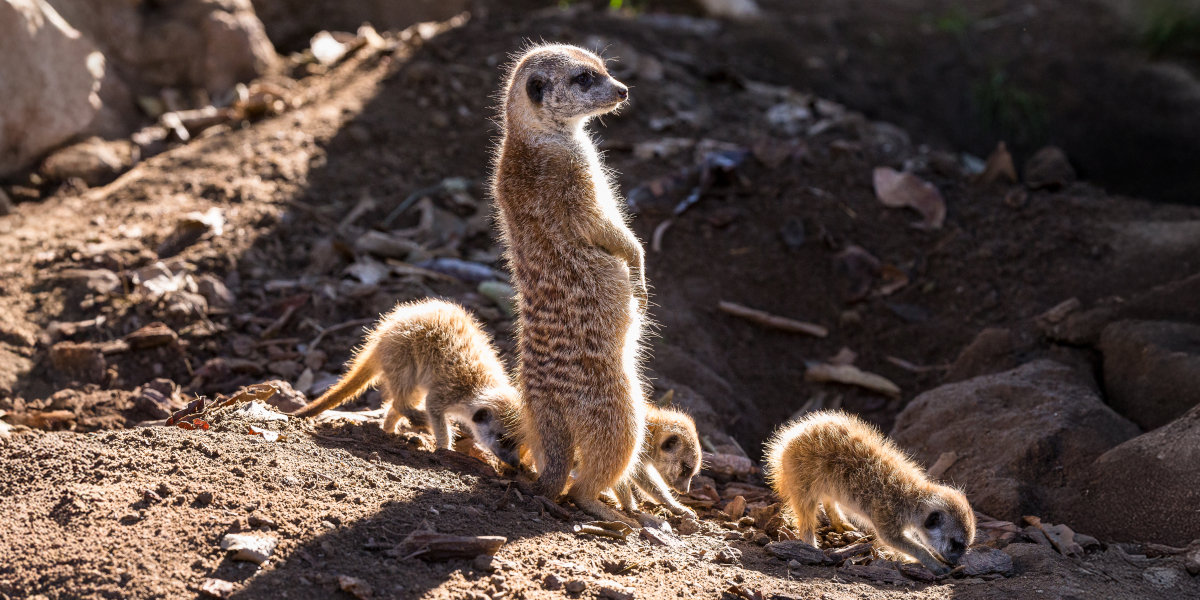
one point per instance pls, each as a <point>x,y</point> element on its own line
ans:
<point>576,586</point>
<point>552,582</point>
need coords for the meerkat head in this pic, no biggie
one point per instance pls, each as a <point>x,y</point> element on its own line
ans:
<point>556,87</point>
<point>490,424</point>
<point>674,447</point>
<point>946,524</point>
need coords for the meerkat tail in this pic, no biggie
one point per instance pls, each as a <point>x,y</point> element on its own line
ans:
<point>362,374</point>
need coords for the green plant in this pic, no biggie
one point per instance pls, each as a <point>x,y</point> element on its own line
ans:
<point>1007,110</point>
<point>955,21</point>
<point>1170,26</point>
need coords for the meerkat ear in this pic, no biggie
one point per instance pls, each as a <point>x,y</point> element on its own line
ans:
<point>536,87</point>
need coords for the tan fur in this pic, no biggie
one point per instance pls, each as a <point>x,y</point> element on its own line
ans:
<point>432,353</point>
<point>578,271</point>
<point>847,465</point>
<point>670,457</point>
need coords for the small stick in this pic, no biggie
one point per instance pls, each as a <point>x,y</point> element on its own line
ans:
<point>338,327</point>
<point>656,239</point>
<point>555,510</point>
<point>769,320</point>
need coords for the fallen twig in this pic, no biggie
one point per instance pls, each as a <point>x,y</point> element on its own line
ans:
<point>656,239</point>
<point>769,320</point>
<point>338,327</point>
<point>553,508</point>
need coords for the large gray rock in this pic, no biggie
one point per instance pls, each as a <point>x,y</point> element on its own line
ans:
<point>1151,370</point>
<point>1148,488</point>
<point>94,160</point>
<point>50,76</point>
<point>1022,436</point>
<point>1174,301</point>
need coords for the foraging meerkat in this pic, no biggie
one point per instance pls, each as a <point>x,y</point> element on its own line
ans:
<point>578,272</point>
<point>669,460</point>
<point>846,464</point>
<point>435,352</point>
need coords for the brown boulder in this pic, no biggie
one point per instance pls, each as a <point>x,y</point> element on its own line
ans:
<point>990,352</point>
<point>94,160</point>
<point>1148,488</point>
<point>1151,370</point>
<point>1022,436</point>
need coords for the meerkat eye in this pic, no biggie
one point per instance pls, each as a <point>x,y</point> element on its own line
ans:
<point>934,520</point>
<point>685,468</point>
<point>535,88</point>
<point>584,78</point>
<point>670,443</point>
<point>481,416</point>
<point>956,546</point>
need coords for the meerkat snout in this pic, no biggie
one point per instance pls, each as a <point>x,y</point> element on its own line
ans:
<point>944,530</point>
<point>678,464</point>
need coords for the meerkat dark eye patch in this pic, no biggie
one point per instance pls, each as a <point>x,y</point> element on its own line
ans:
<point>536,88</point>
<point>933,520</point>
<point>670,443</point>
<point>482,416</point>
<point>956,546</point>
<point>585,79</point>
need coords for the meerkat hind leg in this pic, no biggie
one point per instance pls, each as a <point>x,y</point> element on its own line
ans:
<point>804,515</point>
<point>400,405</point>
<point>836,519</point>
<point>626,498</point>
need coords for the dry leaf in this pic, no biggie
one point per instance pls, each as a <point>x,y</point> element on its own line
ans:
<point>999,166</point>
<point>896,190</point>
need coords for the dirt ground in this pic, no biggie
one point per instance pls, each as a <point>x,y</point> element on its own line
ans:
<point>363,137</point>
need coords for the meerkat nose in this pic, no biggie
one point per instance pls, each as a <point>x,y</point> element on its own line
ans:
<point>622,92</point>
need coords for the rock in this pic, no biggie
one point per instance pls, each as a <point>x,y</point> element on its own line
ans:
<point>1192,560</point>
<point>49,79</point>
<point>986,561</point>
<point>689,526</point>
<point>1049,168</point>
<point>153,403</point>
<point>1147,488</point>
<point>728,465</point>
<point>250,547</point>
<point>1164,577</point>
<point>613,591</point>
<point>502,294</point>
<point>151,336</point>
<point>1174,301</point>
<point>1042,424</point>
<point>288,369</point>
<point>13,367</point>
<point>1151,370</point>
<point>738,10</point>
<point>878,574</point>
<point>990,352</point>
<point>801,552</point>
<point>236,46</point>
<point>552,582</point>
<point>575,586</point>
<point>658,537</point>
<point>736,508</point>
<point>101,281</point>
<point>85,361</point>
<point>918,572</point>
<point>217,588</point>
<point>7,206</point>
<point>215,292</point>
<point>190,229</point>
<point>484,562</point>
<point>354,586</point>
<point>1036,559</point>
<point>94,160</point>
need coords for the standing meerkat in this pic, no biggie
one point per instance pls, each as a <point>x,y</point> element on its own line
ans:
<point>578,272</point>
<point>847,465</point>
<point>670,458</point>
<point>433,351</point>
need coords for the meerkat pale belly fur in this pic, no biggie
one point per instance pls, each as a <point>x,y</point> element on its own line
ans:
<point>435,352</point>
<point>844,463</point>
<point>578,272</point>
<point>670,457</point>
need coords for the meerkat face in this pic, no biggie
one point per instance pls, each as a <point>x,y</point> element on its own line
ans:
<point>491,430</point>
<point>676,456</point>
<point>559,86</point>
<point>947,526</point>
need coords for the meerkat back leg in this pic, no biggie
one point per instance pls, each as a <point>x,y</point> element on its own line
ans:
<point>401,400</point>
<point>836,519</point>
<point>601,464</point>
<point>804,517</point>
<point>625,496</point>
<point>651,483</point>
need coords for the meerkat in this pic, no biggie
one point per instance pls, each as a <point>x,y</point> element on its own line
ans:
<point>847,465</point>
<point>670,459</point>
<point>433,352</point>
<point>578,272</point>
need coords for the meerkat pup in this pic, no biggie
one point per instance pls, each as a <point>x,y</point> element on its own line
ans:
<point>670,458</point>
<point>847,465</point>
<point>578,272</point>
<point>433,352</point>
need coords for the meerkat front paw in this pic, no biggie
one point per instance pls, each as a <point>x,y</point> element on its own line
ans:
<point>682,511</point>
<point>937,568</point>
